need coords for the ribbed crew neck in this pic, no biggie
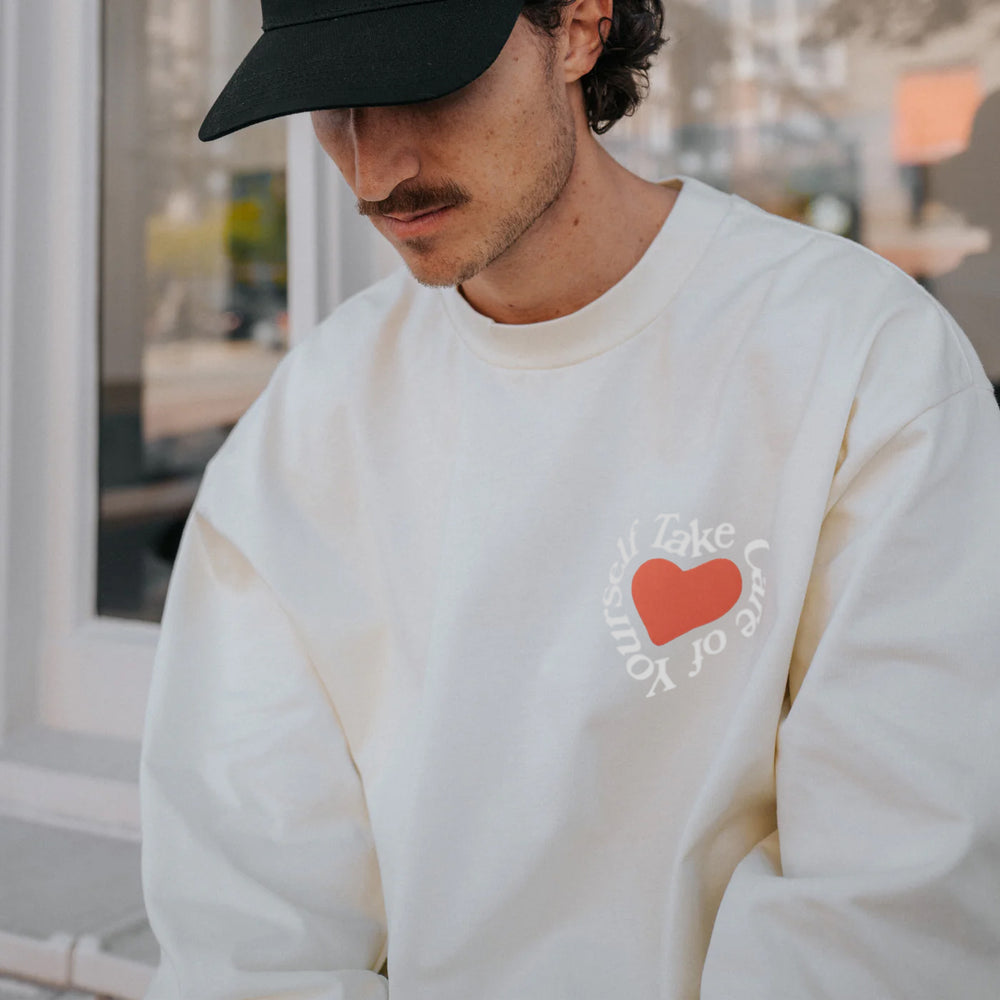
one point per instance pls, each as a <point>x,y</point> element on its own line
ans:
<point>621,312</point>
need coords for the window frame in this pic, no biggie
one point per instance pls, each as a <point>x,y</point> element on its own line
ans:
<point>64,669</point>
<point>61,669</point>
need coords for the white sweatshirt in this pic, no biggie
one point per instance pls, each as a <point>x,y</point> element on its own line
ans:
<point>648,653</point>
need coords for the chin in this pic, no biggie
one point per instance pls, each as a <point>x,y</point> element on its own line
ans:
<point>441,273</point>
<point>431,278</point>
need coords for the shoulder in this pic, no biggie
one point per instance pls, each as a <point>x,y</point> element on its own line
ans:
<point>797,269</point>
<point>307,416</point>
<point>321,374</point>
<point>352,334</point>
<point>819,268</point>
<point>866,319</point>
<point>846,346</point>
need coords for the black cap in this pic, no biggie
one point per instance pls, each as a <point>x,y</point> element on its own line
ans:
<point>359,53</point>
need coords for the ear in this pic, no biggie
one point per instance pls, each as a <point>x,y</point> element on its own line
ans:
<point>586,23</point>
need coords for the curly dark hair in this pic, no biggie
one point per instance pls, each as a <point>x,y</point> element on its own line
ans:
<point>619,79</point>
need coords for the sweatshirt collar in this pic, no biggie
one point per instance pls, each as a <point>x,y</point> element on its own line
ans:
<point>621,312</point>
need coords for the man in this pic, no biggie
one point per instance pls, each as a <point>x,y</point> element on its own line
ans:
<point>608,612</point>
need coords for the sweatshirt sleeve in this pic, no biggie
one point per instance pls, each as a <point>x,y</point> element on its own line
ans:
<point>259,869</point>
<point>883,876</point>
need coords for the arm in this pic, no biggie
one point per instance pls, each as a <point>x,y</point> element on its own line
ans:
<point>881,880</point>
<point>259,869</point>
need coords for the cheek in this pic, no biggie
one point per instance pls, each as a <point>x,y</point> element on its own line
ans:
<point>333,137</point>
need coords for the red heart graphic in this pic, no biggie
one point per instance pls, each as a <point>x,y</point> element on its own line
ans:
<point>672,601</point>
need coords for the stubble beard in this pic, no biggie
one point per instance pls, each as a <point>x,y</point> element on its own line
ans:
<point>508,231</point>
<point>548,187</point>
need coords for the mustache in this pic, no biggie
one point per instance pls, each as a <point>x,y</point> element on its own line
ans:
<point>410,200</point>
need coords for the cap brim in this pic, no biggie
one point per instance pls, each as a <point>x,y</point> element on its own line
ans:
<point>400,55</point>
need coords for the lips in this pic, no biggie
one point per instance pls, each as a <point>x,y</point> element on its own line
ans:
<point>410,216</point>
<point>411,224</point>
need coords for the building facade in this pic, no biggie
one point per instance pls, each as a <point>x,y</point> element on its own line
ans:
<point>149,284</point>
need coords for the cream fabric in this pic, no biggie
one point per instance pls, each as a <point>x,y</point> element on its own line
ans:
<point>647,653</point>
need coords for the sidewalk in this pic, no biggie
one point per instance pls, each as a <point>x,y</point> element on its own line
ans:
<point>15,989</point>
<point>71,915</point>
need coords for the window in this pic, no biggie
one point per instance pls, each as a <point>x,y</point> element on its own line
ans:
<point>194,287</point>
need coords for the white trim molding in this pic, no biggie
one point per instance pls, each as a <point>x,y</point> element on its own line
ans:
<point>9,93</point>
<point>46,961</point>
<point>8,188</point>
<point>96,970</point>
<point>63,668</point>
<point>59,665</point>
<point>81,963</point>
<point>70,801</point>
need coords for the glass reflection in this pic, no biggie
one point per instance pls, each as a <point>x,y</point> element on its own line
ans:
<point>875,121</point>
<point>194,279</point>
<point>965,184</point>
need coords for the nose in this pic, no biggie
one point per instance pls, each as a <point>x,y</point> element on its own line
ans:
<point>384,151</point>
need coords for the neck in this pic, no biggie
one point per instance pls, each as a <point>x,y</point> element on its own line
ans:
<point>586,241</point>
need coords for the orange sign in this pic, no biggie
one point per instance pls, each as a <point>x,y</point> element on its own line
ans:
<point>934,112</point>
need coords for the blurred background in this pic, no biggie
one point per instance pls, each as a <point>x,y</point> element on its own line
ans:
<point>149,284</point>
